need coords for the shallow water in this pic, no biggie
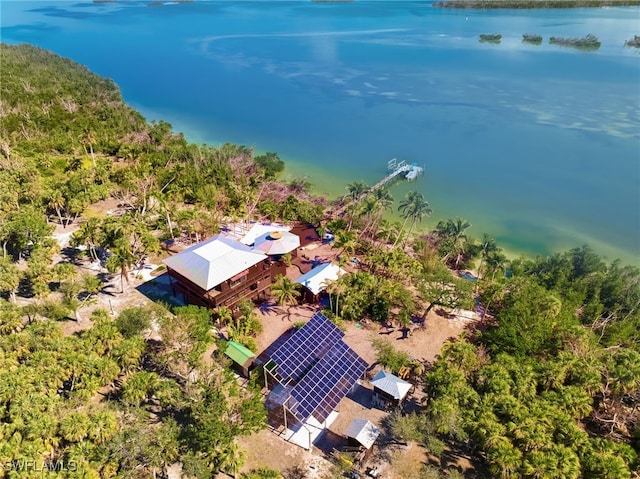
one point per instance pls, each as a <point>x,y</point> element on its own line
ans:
<point>537,145</point>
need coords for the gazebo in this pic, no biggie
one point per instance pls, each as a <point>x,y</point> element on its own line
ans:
<point>389,390</point>
<point>277,243</point>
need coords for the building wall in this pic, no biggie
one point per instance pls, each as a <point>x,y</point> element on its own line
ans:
<point>252,285</point>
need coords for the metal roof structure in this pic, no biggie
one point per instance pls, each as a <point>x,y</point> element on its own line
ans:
<point>392,385</point>
<point>317,279</point>
<point>320,367</point>
<point>238,353</point>
<point>362,431</point>
<point>213,261</point>
<point>260,229</point>
<point>277,242</point>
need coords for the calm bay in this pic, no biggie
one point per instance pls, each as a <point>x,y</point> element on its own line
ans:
<point>538,145</point>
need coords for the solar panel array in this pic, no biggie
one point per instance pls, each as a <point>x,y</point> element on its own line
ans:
<point>305,347</point>
<point>322,367</point>
<point>324,386</point>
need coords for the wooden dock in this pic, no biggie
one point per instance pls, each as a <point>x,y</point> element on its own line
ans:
<point>395,170</point>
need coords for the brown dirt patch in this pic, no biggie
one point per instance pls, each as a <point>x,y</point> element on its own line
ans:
<point>267,449</point>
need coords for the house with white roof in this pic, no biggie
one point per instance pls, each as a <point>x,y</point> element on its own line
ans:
<point>220,271</point>
<point>389,390</point>
<point>317,279</point>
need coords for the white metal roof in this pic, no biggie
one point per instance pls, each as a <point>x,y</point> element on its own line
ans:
<point>362,431</point>
<point>261,229</point>
<point>319,277</point>
<point>276,242</point>
<point>213,261</point>
<point>392,385</point>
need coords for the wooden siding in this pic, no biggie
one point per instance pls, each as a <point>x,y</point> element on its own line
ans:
<point>252,285</point>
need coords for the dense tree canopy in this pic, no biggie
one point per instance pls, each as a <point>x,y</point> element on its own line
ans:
<point>548,388</point>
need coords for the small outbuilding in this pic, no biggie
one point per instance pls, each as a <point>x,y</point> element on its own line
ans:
<point>316,280</point>
<point>388,390</point>
<point>242,357</point>
<point>361,433</point>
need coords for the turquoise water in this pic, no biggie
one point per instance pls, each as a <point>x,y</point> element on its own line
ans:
<point>537,145</point>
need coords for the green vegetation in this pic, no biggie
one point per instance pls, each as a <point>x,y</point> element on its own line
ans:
<point>490,4</point>
<point>547,388</point>
<point>532,39</point>
<point>107,404</point>
<point>285,291</point>
<point>550,387</point>
<point>633,42</point>
<point>590,42</point>
<point>490,38</point>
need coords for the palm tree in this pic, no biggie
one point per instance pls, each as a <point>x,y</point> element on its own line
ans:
<point>285,291</point>
<point>166,207</point>
<point>551,306</point>
<point>496,261</point>
<point>232,459</point>
<point>57,201</point>
<point>336,288</point>
<point>374,207</point>
<point>356,190</point>
<point>368,209</point>
<point>346,241</point>
<point>419,210</point>
<point>487,246</point>
<point>405,209</point>
<point>384,201</point>
<point>10,276</point>
<point>74,427</point>
<point>386,230</point>
<point>121,260</point>
<point>504,458</point>
<point>453,231</point>
<point>223,315</point>
<point>91,233</point>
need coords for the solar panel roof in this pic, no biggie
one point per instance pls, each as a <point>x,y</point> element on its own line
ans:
<point>324,386</point>
<point>306,347</point>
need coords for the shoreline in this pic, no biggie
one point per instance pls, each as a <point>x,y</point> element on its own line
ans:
<point>510,247</point>
<point>331,185</point>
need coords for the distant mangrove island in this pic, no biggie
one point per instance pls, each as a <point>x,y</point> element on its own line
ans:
<point>634,42</point>
<point>490,38</point>
<point>590,42</point>
<point>533,39</point>
<point>525,4</point>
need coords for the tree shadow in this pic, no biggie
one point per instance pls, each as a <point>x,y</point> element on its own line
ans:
<point>158,290</point>
<point>457,451</point>
<point>361,395</point>
<point>72,255</point>
<point>108,288</point>
<point>267,307</point>
<point>328,441</point>
<point>412,404</point>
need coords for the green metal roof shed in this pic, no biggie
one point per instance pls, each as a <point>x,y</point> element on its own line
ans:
<point>241,356</point>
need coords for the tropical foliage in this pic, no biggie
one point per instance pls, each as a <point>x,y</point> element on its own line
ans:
<point>110,404</point>
<point>548,388</point>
